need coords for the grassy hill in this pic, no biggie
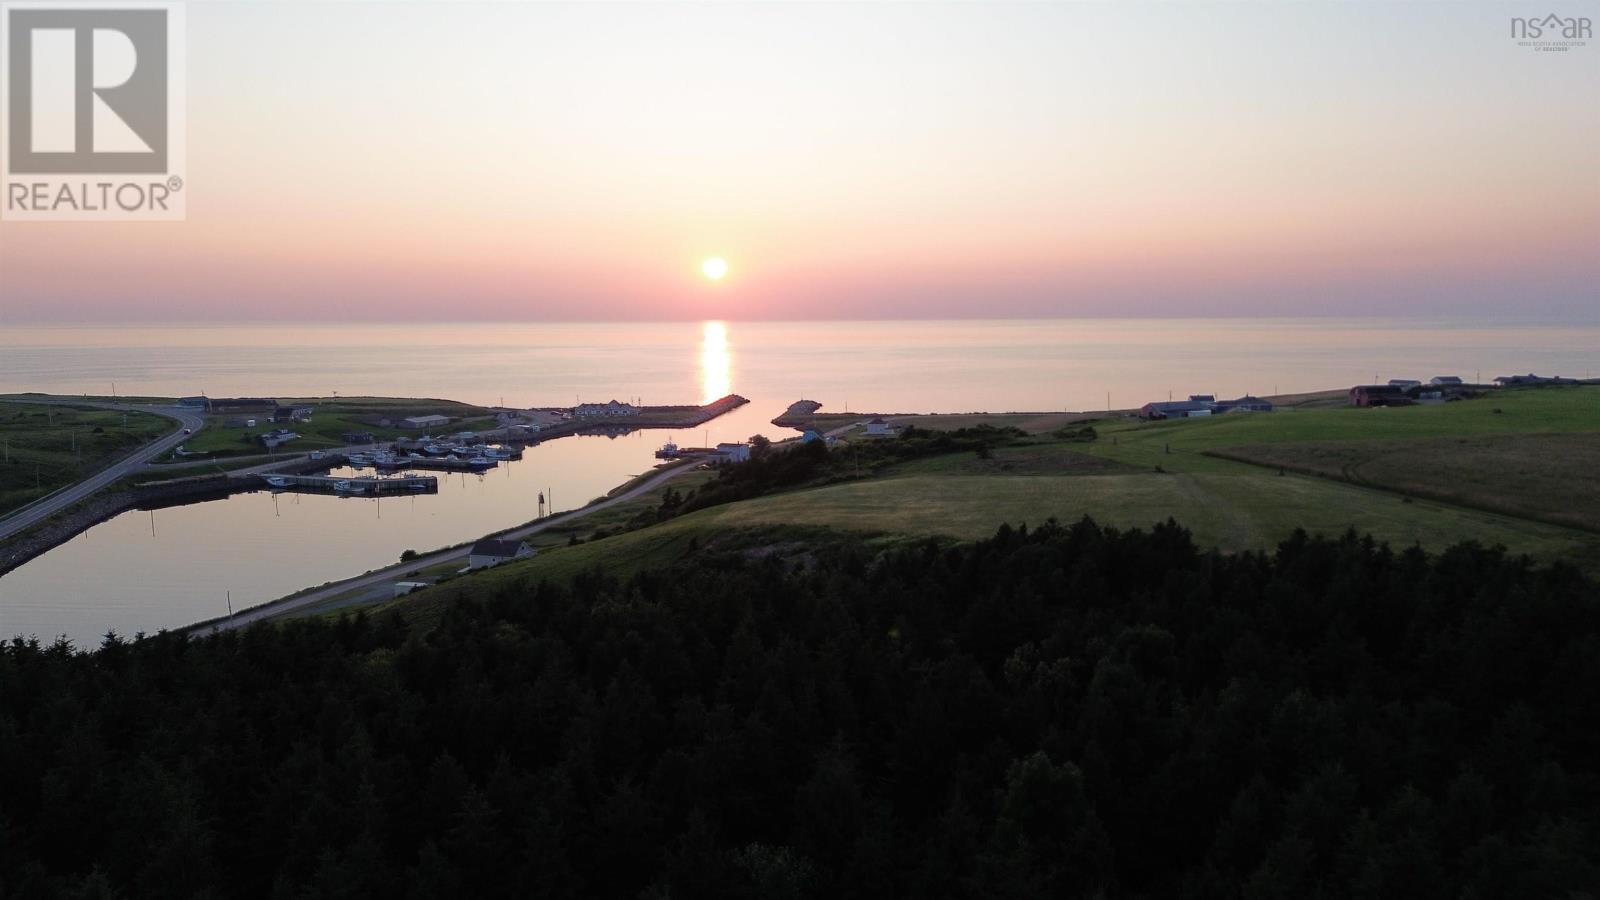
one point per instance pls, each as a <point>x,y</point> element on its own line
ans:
<point>43,448</point>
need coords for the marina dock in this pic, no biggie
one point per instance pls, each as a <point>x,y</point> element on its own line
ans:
<point>431,464</point>
<point>357,487</point>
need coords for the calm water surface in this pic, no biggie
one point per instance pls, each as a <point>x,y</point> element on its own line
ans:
<point>131,575</point>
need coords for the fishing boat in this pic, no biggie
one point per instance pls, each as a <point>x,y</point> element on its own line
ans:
<point>277,481</point>
<point>669,450</point>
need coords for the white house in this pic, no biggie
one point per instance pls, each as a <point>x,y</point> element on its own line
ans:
<point>613,408</point>
<point>879,428</point>
<point>491,552</point>
<point>733,452</point>
<point>272,440</point>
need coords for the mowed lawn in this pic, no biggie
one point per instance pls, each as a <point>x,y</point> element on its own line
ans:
<point>1229,511</point>
<point>1548,477</point>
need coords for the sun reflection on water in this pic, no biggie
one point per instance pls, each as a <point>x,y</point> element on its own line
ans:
<point>716,363</point>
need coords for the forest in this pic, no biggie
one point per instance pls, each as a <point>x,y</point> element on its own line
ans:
<point>1063,711</point>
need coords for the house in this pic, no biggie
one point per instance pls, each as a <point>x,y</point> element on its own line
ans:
<point>194,402</point>
<point>292,414</point>
<point>276,438</point>
<point>1445,381</point>
<point>492,552</point>
<point>734,453</point>
<point>879,428</point>
<point>613,408</point>
<point>1378,395</point>
<point>1203,398</point>
<point>1175,409</point>
<point>1247,403</point>
<point>1404,382</point>
<point>425,421</point>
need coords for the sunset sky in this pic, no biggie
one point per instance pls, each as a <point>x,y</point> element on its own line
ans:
<point>422,161</point>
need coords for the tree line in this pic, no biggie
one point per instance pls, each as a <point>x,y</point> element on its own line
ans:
<point>1065,711</point>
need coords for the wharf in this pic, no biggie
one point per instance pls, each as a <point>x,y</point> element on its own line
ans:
<point>371,487</point>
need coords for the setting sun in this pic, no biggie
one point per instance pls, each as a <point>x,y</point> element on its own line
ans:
<point>715,268</point>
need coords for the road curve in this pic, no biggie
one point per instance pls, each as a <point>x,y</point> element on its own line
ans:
<point>44,508</point>
<point>390,574</point>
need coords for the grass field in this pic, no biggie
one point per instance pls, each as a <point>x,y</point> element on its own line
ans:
<point>1546,477</point>
<point>1138,473</point>
<point>43,448</point>
<point>331,420</point>
<point>1520,411</point>
<point>1232,512</point>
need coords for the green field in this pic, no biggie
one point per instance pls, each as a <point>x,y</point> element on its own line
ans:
<point>331,419</point>
<point>1179,445</point>
<point>43,448</point>
<point>1139,473</point>
<point>1545,477</point>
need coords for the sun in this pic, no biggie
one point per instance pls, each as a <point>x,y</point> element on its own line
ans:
<point>715,268</point>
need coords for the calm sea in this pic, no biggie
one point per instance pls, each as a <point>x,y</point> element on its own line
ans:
<point>140,572</point>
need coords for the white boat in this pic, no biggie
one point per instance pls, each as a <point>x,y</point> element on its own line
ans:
<point>669,450</point>
<point>359,459</point>
<point>482,462</point>
<point>277,481</point>
<point>349,487</point>
<point>500,453</point>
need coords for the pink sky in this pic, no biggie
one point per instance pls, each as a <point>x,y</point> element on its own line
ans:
<point>435,161</point>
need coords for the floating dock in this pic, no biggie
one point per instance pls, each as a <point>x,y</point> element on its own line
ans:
<point>354,487</point>
<point>432,464</point>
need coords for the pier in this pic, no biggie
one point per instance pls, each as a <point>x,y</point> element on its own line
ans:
<point>431,464</point>
<point>356,487</point>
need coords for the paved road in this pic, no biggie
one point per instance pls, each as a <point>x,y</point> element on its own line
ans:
<point>383,578</point>
<point>43,509</point>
